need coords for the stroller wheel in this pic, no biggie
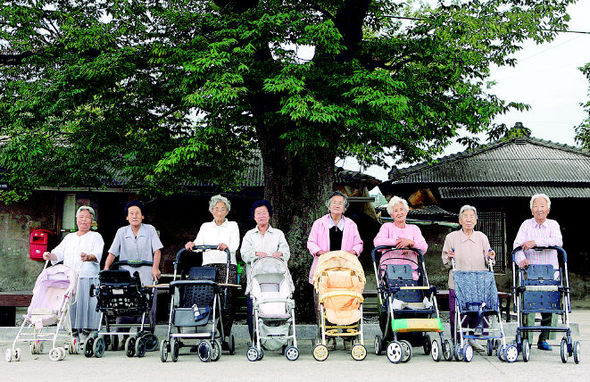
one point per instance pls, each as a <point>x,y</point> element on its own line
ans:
<point>151,342</point>
<point>216,350</point>
<point>511,353</point>
<point>99,347</point>
<point>458,352</point>
<point>175,347</point>
<point>164,351</point>
<point>54,354</point>
<point>252,354</point>
<point>526,350</point>
<point>407,351</point>
<point>130,347</point>
<point>378,346</point>
<point>358,352</point>
<point>8,355</point>
<point>577,349</point>
<point>394,352</point>
<point>88,347</point>
<point>204,351</point>
<point>427,346</point>
<point>467,353</point>
<point>447,349</point>
<point>140,347</point>
<point>320,352</point>
<point>292,353</point>
<point>435,351</point>
<point>563,350</point>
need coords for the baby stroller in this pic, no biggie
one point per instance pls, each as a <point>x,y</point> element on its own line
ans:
<point>195,308</point>
<point>408,308</point>
<point>477,300</point>
<point>273,308</point>
<point>541,289</point>
<point>120,294</point>
<point>50,306</point>
<point>339,281</point>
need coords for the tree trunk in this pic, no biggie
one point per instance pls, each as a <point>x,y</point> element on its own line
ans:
<point>296,184</point>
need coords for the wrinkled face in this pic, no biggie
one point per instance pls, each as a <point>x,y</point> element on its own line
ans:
<point>219,212</point>
<point>468,220</point>
<point>84,221</point>
<point>336,206</point>
<point>134,216</point>
<point>399,213</point>
<point>540,210</point>
<point>261,216</point>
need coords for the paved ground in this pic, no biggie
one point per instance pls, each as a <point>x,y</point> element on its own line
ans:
<point>115,366</point>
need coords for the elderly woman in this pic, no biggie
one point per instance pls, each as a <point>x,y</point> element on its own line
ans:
<point>137,241</point>
<point>401,235</point>
<point>262,241</point>
<point>82,251</point>
<point>333,232</point>
<point>471,250</point>
<point>224,234</point>
<point>539,232</point>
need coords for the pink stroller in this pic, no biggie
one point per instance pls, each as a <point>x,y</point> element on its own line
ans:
<point>48,316</point>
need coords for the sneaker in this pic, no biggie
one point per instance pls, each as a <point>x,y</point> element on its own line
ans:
<point>477,346</point>
<point>543,345</point>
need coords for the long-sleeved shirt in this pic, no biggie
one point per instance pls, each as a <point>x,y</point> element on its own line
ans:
<point>545,235</point>
<point>319,239</point>
<point>72,246</point>
<point>389,234</point>
<point>213,234</point>
<point>272,241</point>
<point>471,253</point>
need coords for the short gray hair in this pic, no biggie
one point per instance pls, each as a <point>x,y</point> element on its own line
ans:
<point>86,208</point>
<point>395,200</point>
<point>467,207</point>
<point>537,196</point>
<point>219,198</point>
<point>337,193</point>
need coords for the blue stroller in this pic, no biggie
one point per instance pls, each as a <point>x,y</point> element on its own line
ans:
<point>195,308</point>
<point>477,299</point>
<point>408,308</point>
<point>542,289</point>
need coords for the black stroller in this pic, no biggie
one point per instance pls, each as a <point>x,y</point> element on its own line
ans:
<point>542,289</point>
<point>195,308</point>
<point>119,294</point>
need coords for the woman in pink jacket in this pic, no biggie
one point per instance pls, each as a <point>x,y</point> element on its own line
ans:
<point>334,231</point>
<point>401,235</point>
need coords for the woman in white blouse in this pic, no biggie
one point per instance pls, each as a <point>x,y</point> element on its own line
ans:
<point>82,251</point>
<point>225,235</point>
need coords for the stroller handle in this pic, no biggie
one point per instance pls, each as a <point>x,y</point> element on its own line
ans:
<point>559,250</point>
<point>131,263</point>
<point>201,249</point>
<point>376,254</point>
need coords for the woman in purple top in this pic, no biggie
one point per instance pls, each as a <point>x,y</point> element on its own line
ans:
<point>333,232</point>
<point>401,235</point>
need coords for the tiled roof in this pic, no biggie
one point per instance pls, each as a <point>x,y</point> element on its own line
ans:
<point>513,191</point>
<point>528,160</point>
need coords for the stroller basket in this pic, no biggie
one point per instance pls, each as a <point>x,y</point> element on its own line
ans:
<point>476,291</point>
<point>119,294</point>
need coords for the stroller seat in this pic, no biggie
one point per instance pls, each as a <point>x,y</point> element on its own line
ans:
<point>541,291</point>
<point>195,301</point>
<point>341,290</point>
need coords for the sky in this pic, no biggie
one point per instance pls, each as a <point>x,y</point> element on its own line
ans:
<point>547,77</point>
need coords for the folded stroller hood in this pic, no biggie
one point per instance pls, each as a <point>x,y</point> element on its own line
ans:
<point>339,260</point>
<point>270,269</point>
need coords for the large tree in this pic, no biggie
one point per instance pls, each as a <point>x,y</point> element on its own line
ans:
<point>583,129</point>
<point>165,93</point>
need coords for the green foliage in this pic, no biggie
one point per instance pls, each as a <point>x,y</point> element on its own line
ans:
<point>583,129</point>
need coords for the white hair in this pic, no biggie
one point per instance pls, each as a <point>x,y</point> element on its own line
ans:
<point>536,196</point>
<point>395,200</point>
<point>86,208</point>
<point>467,207</point>
<point>219,198</point>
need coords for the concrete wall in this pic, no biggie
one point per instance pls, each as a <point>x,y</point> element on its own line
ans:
<point>17,271</point>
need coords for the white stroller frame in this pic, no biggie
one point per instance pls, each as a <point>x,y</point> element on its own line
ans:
<point>283,303</point>
<point>463,350</point>
<point>42,317</point>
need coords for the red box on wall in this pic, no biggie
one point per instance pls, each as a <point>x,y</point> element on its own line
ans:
<point>39,243</point>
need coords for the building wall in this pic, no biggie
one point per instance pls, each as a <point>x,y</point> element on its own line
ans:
<point>17,271</point>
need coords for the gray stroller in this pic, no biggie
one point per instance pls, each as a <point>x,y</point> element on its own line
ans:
<point>273,309</point>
